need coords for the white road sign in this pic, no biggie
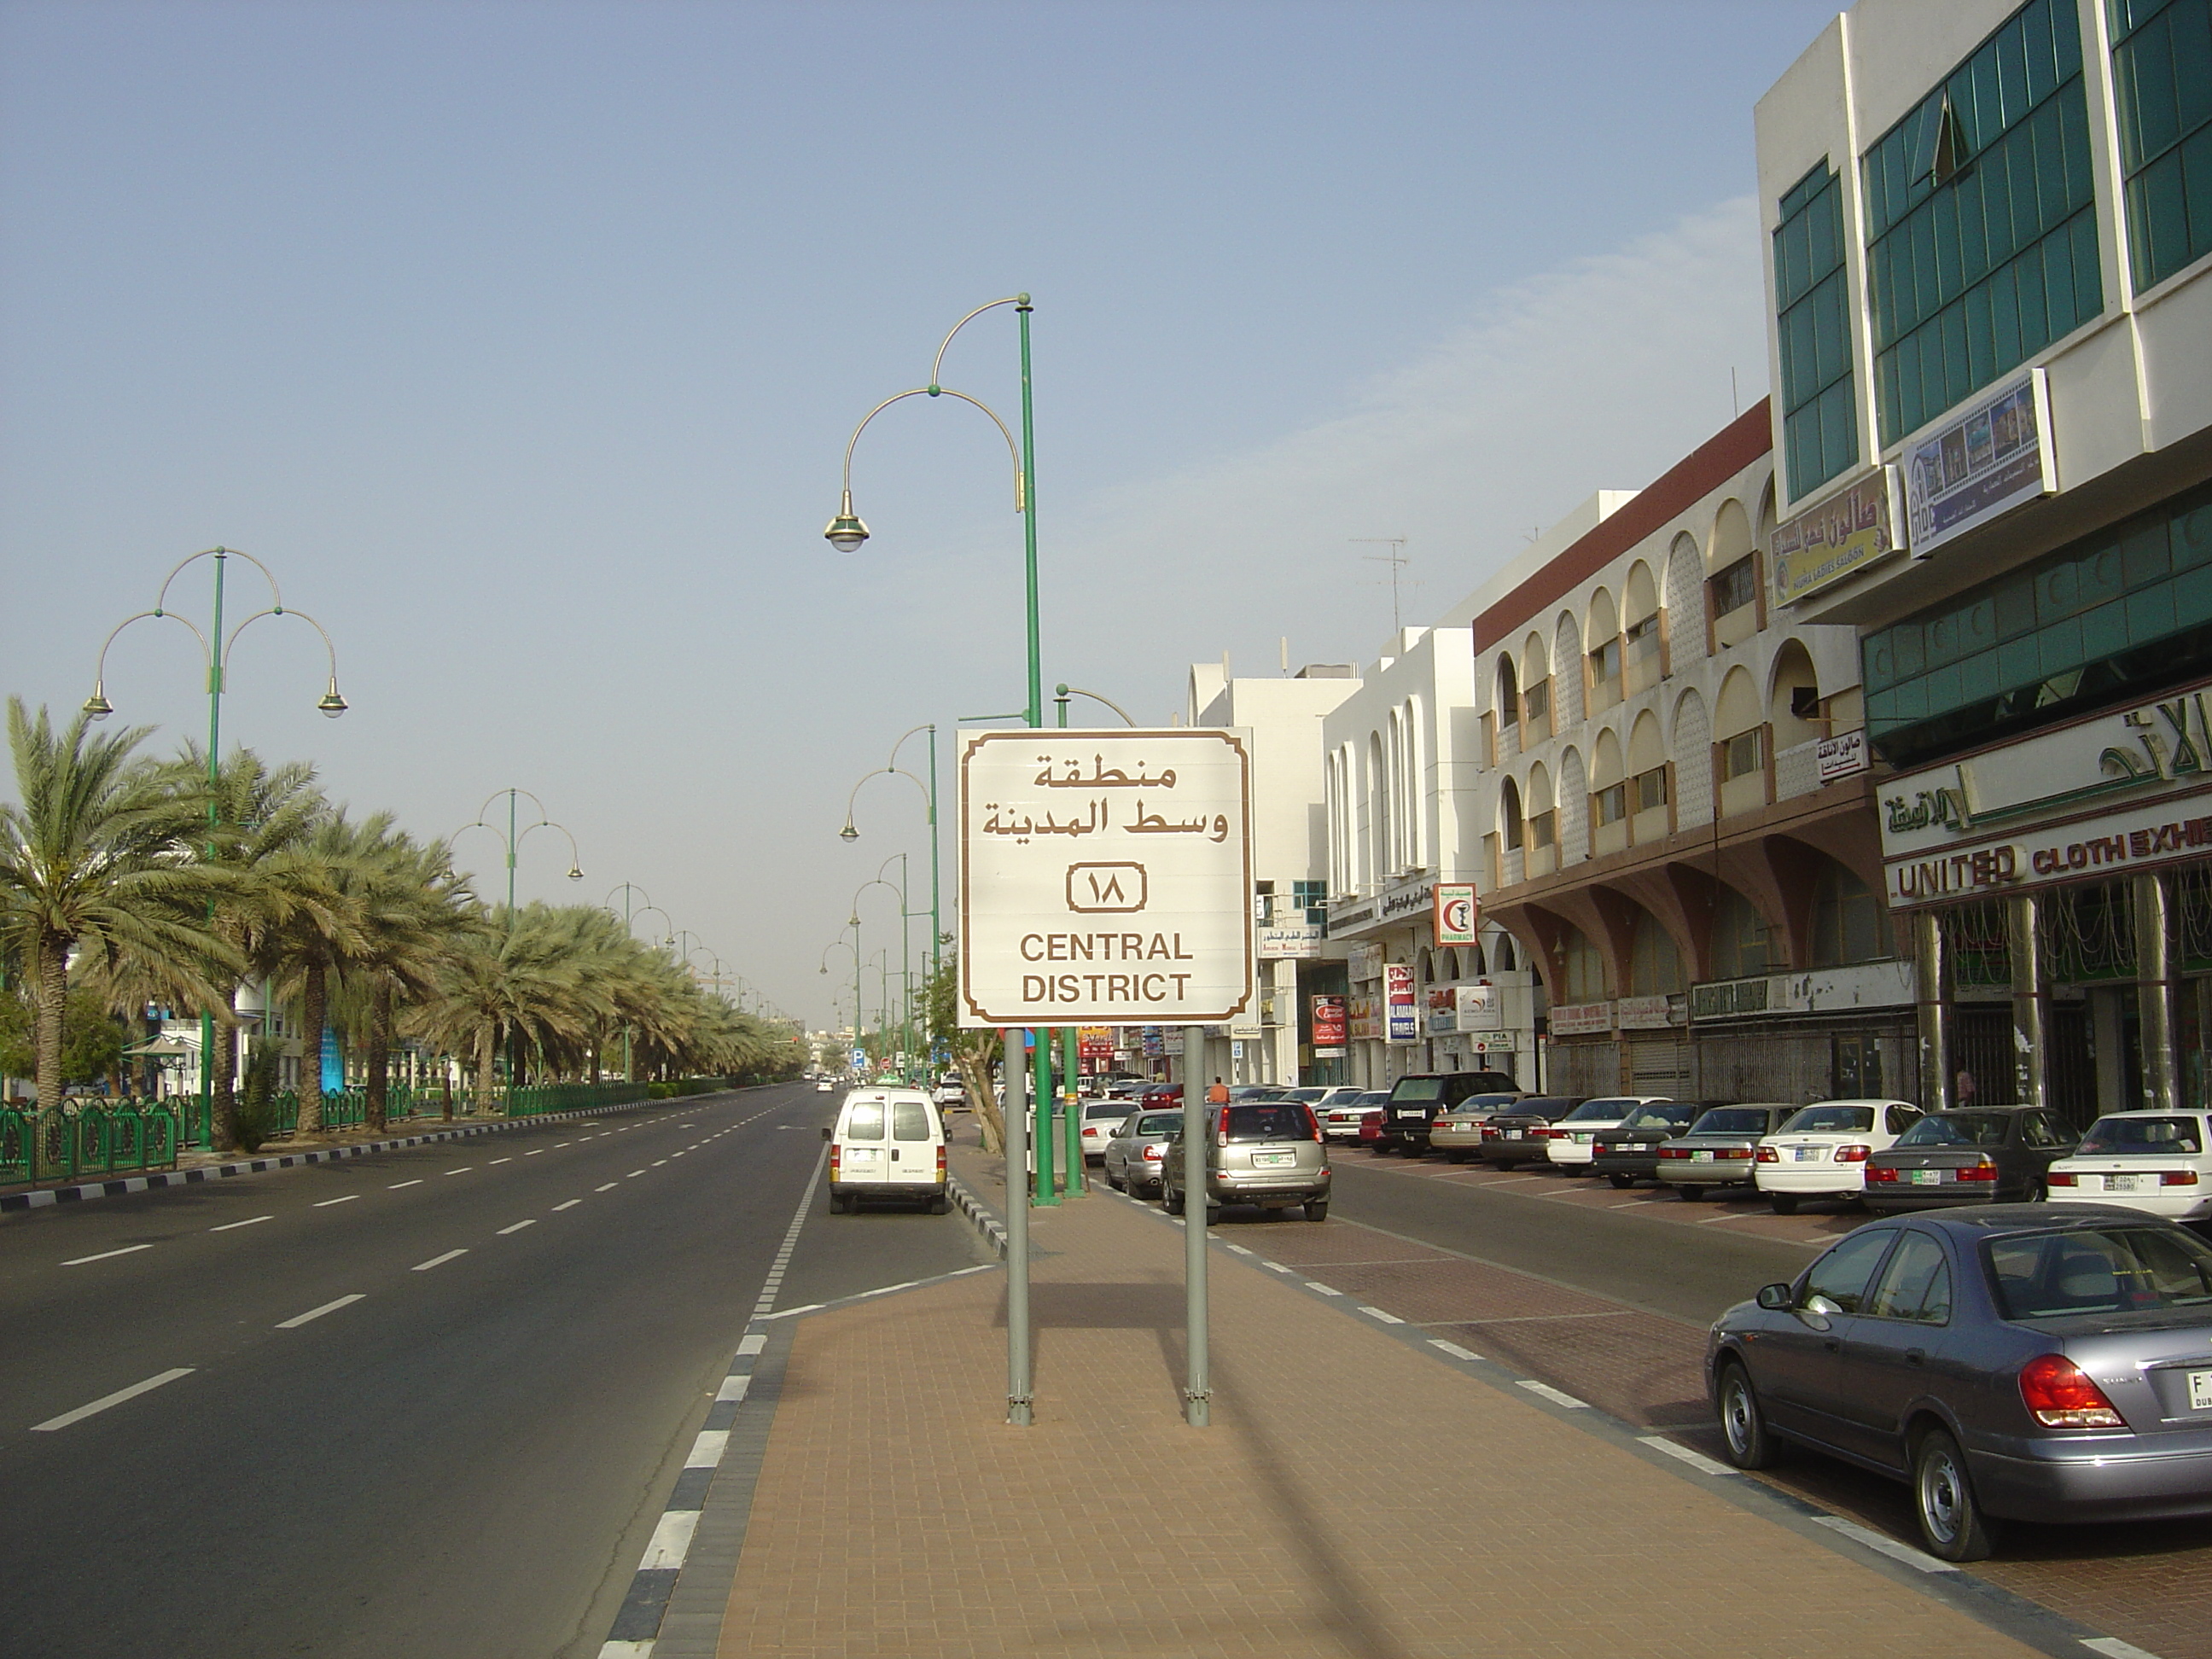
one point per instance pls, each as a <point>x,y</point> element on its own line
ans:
<point>1105,877</point>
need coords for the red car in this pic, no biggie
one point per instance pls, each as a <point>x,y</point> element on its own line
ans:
<point>1159,1096</point>
<point>1370,1127</point>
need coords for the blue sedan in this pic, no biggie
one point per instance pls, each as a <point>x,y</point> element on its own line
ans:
<point>2018,1362</point>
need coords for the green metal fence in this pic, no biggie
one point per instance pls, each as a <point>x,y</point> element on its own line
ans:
<point>86,1138</point>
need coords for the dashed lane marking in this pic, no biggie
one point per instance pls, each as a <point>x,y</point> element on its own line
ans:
<point>1453,1349</point>
<point>436,1261</point>
<point>499,1160</point>
<point>298,1319</point>
<point>106,1256</point>
<point>570,1205</point>
<point>463,1170</point>
<point>1325,1290</point>
<point>633,1175</point>
<point>326,1203</point>
<point>518,1227</point>
<point>1681,1454</point>
<point>1557,1396</point>
<point>396,1185</point>
<point>658,1161</point>
<point>1377,1313</point>
<point>609,1187</point>
<point>250,1221</point>
<point>533,1152</point>
<point>107,1401</point>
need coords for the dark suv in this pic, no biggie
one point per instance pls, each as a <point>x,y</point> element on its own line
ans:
<point>1416,1100</point>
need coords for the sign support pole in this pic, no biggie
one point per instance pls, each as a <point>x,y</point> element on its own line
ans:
<point>1197,1390</point>
<point>1016,1115</point>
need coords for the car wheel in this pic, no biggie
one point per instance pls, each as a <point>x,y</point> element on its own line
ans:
<point>1504,1165</point>
<point>939,1205</point>
<point>840,1204</point>
<point>1743,1420</point>
<point>2035,1192</point>
<point>1213,1215</point>
<point>1621,1183</point>
<point>1782,1203</point>
<point>1690,1193</point>
<point>1116,1183</point>
<point>1455,1157</point>
<point>1170,1200</point>
<point>1317,1211</point>
<point>1952,1523</point>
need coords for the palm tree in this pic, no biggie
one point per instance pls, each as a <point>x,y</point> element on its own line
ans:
<point>518,982</point>
<point>417,914</point>
<point>97,861</point>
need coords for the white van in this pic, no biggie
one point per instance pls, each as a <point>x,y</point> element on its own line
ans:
<point>886,1143</point>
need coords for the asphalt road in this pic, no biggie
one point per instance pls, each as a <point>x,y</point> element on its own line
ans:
<point>431,1401</point>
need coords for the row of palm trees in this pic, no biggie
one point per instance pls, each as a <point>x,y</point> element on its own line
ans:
<point>145,879</point>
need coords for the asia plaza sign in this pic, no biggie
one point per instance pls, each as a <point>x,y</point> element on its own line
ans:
<point>1105,877</point>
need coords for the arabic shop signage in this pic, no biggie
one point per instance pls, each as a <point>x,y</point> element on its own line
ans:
<point>1463,1008</point>
<point>2162,833</point>
<point>1290,941</point>
<point>1105,877</point>
<point>1393,904</point>
<point>1988,461</point>
<point>1456,912</point>
<point>1852,529</point>
<point>1328,1023</point>
<point>1843,755</point>
<point>1582,1018</point>
<point>1404,1022</point>
<point>1366,1018</point>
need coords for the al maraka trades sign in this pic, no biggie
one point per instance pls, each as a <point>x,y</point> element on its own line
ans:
<point>1105,877</point>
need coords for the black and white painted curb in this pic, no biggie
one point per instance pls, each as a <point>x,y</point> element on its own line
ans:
<point>993,1229</point>
<point>38,1198</point>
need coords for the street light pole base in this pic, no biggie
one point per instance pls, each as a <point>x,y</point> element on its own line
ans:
<point>1018,1411</point>
<point>1197,1404</point>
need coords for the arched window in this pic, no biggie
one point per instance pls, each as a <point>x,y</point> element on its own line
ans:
<point>1685,602</point>
<point>1740,942</point>
<point>1509,693</point>
<point>1378,810</point>
<point>1509,814</point>
<point>1655,966</point>
<point>1793,703</point>
<point>1640,628</point>
<point>1850,921</point>
<point>1582,968</point>
<point>1567,673</point>
<point>1502,958</point>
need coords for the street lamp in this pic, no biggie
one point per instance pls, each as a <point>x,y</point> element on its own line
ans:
<point>629,891</point>
<point>514,838</point>
<point>215,647</point>
<point>850,832</point>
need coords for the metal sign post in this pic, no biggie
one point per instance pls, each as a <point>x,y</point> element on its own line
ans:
<point>1197,1127</point>
<point>1105,879</point>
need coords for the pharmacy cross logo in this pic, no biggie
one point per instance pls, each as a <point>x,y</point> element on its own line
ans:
<point>1101,889</point>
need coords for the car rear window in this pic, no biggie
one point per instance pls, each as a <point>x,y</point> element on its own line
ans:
<point>1159,1123</point>
<point>909,1121</point>
<point>1105,1109</point>
<point>1607,1109</point>
<point>864,1120</point>
<point>2130,1137</point>
<point>1958,1129</point>
<point>1375,1098</point>
<point>1418,1087</point>
<point>1844,1120</point>
<point>1307,1095</point>
<point>1274,1120</point>
<point>1731,1121</point>
<point>1673,1115</point>
<point>2100,1270</point>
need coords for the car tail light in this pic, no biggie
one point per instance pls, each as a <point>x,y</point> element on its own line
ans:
<point>1489,1132</point>
<point>1313,1123</point>
<point>2061,1178</point>
<point>1153,1154</point>
<point>1768,1155</point>
<point>1671,1151</point>
<point>1984,1170</point>
<point>2177,1178</point>
<point>836,1157</point>
<point>1544,1135</point>
<point>1735,1151</point>
<point>1852,1154</point>
<point>1221,1129</point>
<point>940,1166</point>
<point>2062,1396</point>
<point>1879,1173</point>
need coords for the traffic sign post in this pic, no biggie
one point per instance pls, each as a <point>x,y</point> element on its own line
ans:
<point>1105,879</point>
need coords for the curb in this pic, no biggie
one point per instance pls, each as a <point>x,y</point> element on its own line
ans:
<point>972,1206</point>
<point>44,1197</point>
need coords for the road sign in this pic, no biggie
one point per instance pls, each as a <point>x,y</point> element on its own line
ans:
<point>1105,877</point>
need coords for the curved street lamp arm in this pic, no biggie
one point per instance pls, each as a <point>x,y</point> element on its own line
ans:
<point>1021,486</point>
<point>927,726</point>
<point>100,667</point>
<point>576,857</point>
<point>524,793</point>
<point>608,902</point>
<point>937,365</point>
<point>1077,692</point>
<point>664,915</point>
<point>877,772</point>
<point>329,649</point>
<point>275,595</point>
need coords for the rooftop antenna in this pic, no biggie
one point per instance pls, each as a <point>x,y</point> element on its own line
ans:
<point>1734,397</point>
<point>1396,559</point>
<point>1286,656</point>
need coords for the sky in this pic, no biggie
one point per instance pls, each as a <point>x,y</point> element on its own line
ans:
<point>521,342</point>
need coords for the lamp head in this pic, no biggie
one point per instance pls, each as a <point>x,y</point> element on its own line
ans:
<point>575,872</point>
<point>848,833</point>
<point>845,531</point>
<point>97,707</point>
<point>332,704</point>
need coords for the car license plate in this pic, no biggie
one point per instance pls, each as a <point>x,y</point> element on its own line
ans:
<point>861,1154</point>
<point>2200,1391</point>
<point>1924,1177</point>
<point>2124,1184</point>
<point>1272,1160</point>
<point>1805,1154</point>
<point>1412,1113</point>
<point>1584,1141</point>
<point>1701,1157</point>
<point>1513,1134</point>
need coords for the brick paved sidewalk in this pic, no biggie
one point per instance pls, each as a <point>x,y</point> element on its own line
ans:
<point>1353,1497</point>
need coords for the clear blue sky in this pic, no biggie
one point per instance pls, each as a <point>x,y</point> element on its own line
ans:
<point>523,340</point>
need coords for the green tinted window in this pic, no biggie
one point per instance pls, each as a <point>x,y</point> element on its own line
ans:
<point>1820,428</point>
<point>2162,76</point>
<point>1981,236</point>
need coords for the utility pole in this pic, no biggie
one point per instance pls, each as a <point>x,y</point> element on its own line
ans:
<point>1396,559</point>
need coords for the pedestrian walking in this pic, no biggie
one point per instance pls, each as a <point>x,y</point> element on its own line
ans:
<point>1217,1095</point>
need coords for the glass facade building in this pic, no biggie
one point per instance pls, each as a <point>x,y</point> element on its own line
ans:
<point>1820,414</point>
<point>2162,75</point>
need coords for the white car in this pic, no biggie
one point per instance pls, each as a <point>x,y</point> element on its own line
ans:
<point>950,1093</point>
<point>2151,1161</point>
<point>1821,1151</point>
<point>1100,1118</point>
<point>1572,1142</point>
<point>823,1085</point>
<point>1339,1112</point>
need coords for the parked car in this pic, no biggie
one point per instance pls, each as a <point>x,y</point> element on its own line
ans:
<point>886,1143</point>
<point>1135,1150</point>
<point>1258,1091</point>
<point>1572,1143</point>
<point>1100,1120</point>
<point>1344,1111</point>
<point>1719,1150</point>
<point>950,1093</point>
<point>1263,1153</point>
<point>1370,1125</point>
<point>1157,1094</point>
<point>1457,1132</point>
<point>1415,1099</point>
<point>1821,1152</point>
<point>1515,1136</point>
<point>2149,1161</point>
<point>823,1085</point>
<point>1977,1155</point>
<point>2019,1361</point>
<point>1630,1154</point>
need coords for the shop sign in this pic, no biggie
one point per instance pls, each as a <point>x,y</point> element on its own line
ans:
<point>1582,1019</point>
<point>1443,1010</point>
<point>1840,536</point>
<point>1247,1025</point>
<point>1365,1023</point>
<point>1463,1008</point>
<point>1290,941</point>
<point>1984,463</point>
<point>1497,1042</point>
<point>1643,1013</point>
<point>1095,1041</point>
<point>1456,912</point>
<point>1405,1025</point>
<point>1329,1030</point>
<point>2143,839</point>
<point>1884,984</point>
<point>1348,916</point>
<point>1843,755</point>
<point>1155,1040</point>
<point>1364,963</point>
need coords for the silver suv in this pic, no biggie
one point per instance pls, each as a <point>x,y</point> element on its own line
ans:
<point>1263,1153</point>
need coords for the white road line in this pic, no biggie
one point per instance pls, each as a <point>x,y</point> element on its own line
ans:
<point>1632,1204</point>
<point>1273,1266</point>
<point>707,1451</point>
<point>463,1170</point>
<point>1377,1313</point>
<point>658,1161</point>
<point>436,1261</point>
<point>570,1205</point>
<point>609,1187</point>
<point>499,1160</point>
<point>671,1539</point>
<point>1881,1545</point>
<point>326,1203</point>
<point>298,1319</point>
<point>106,1400</point>
<point>533,1152</point>
<point>1740,1215</point>
<point>1453,1349</point>
<point>558,1145</point>
<point>128,1249</point>
<point>1696,1460</point>
<point>518,1227</point>
<point>1326,1290</point>
<point>1557,1397</point>
<point>1240,1249</point>
<point>633,1175</point>
<point>396,1185</point>
<point>751,1344</point>
<point>250,1221</point>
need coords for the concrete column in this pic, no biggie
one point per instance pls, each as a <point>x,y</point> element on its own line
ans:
<point>1932,997</point>
<point>2031,999</point>
<point>2161,1065</point>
